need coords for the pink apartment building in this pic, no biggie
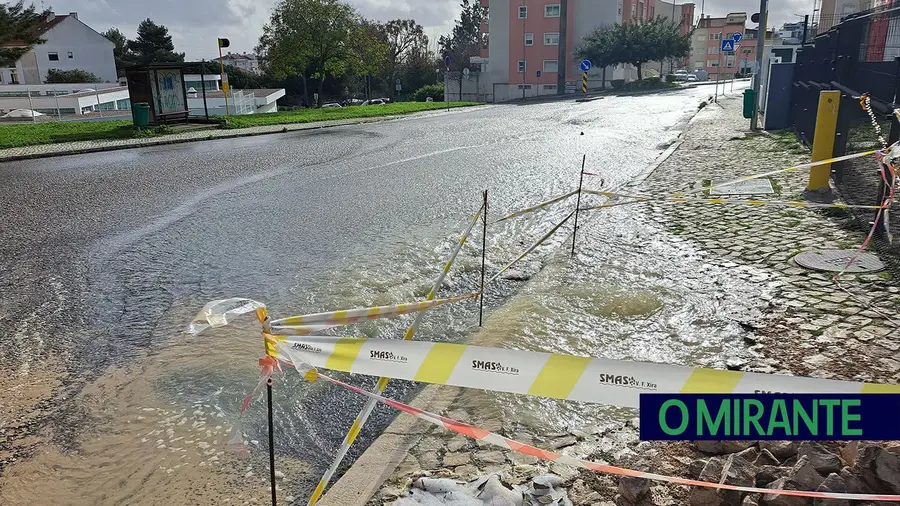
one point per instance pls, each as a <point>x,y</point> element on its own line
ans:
<point>706,44</point>
<point>524,38</point>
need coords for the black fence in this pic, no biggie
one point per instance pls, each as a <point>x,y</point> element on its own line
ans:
<point>858,56</point>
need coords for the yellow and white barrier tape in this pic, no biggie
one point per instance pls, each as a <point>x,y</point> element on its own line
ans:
<point>515,446</point>
<point>720,201</point>
<point>780,171</point>
<point>531,248</point>
<point>574,378</point>
<point>537,207</point>
<point>306,324</point>
<point>364,414</point>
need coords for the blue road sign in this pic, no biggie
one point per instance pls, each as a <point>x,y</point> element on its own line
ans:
<point>727,46</point>
<point>539,73</point>
<point>447,61</point>
<point>586,65</point>
<point>737,37</point>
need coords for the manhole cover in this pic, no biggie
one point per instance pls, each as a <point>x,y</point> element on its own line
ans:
<point>834,260</point>
<point>752,187</point>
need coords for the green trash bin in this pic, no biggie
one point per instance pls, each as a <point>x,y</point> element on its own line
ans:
<point>141,114</point>
<point>749,103</point>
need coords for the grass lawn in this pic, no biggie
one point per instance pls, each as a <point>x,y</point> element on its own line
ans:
<point>311,115</point>
<point>29,134</point>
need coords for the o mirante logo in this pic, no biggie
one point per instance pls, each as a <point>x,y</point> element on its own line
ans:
<point>769,416</point>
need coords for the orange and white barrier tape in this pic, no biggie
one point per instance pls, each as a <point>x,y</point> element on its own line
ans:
<point>515,446</point>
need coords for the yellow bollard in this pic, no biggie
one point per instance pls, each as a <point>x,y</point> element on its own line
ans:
<point>823,139</point>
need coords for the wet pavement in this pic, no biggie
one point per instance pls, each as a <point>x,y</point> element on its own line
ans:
<point>105,258</point>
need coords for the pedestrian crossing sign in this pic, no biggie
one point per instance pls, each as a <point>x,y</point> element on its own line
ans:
<point>727,45</point>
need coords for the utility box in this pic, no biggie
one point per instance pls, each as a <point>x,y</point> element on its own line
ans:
<point>749,103</point>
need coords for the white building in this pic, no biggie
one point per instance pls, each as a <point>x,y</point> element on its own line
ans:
<point>70,44</point>
<point>244,61</point>
<point>64,100</point>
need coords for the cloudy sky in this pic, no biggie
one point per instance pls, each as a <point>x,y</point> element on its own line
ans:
<point>195,24</point>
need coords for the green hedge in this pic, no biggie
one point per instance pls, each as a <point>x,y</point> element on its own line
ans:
<point>435,91</point>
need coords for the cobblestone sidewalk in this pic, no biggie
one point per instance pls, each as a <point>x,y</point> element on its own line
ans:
<point>805,325</point>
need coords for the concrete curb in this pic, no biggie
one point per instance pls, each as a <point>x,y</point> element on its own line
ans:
<point>230,134</point>
<point>376,465</point>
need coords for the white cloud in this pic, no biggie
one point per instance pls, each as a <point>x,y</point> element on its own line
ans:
<point>196,24</point>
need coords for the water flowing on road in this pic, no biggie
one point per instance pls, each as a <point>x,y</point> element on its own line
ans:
<point>106,258</point>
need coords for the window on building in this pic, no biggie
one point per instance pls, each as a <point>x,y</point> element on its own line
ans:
<point>633,10</point>
<point>551,66</point>
<point>521,66</point>
<point>524,86</point>
<point>641,10</point>
<point>551,11</point>
<point>712,63</point>
<point>70,55</point>
<point>529,39</point>
<point>712,50</point>
<point>551,39</point>
<point>523,12</point>
<point>701,37</point>
<point>13,77</point>
<point>698,64</point>
<point>53,56</point>
<point>549,87</point>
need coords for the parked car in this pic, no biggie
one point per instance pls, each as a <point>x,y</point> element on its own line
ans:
<point>681,75</point>
<point>333,104</point>
<point>374,101</point>
<point>691,78</point>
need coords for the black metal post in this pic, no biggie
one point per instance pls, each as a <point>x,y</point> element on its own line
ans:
<point>805,28</point>
<point>271,440</point>
<point>203,88</point>
<point>578,204</point>
<point>483,255</point>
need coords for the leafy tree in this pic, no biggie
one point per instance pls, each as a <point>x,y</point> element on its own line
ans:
<point>405,39</point>
<point>121,53</point>
<point>153,44</point>
<point>55,76</point>
<point>19,31</point>
<point>466,39</point>
<point>419,69</point>
<point>310,38</point>
<point>635,43</point>
<point>368,52</point>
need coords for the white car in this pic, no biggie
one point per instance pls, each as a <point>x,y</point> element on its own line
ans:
<point>374,101</point>
<point>691,78</point>
<point>333,104</point>
<point>681,75</point>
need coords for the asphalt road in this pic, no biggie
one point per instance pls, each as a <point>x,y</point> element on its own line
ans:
<point>103,256</point>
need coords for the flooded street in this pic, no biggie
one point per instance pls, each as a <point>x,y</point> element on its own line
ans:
<point>106,258</point>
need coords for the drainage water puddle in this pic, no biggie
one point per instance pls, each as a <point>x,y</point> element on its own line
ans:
<point>631,292</point>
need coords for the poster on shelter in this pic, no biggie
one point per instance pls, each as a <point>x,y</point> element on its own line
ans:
<point>170,94</point>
